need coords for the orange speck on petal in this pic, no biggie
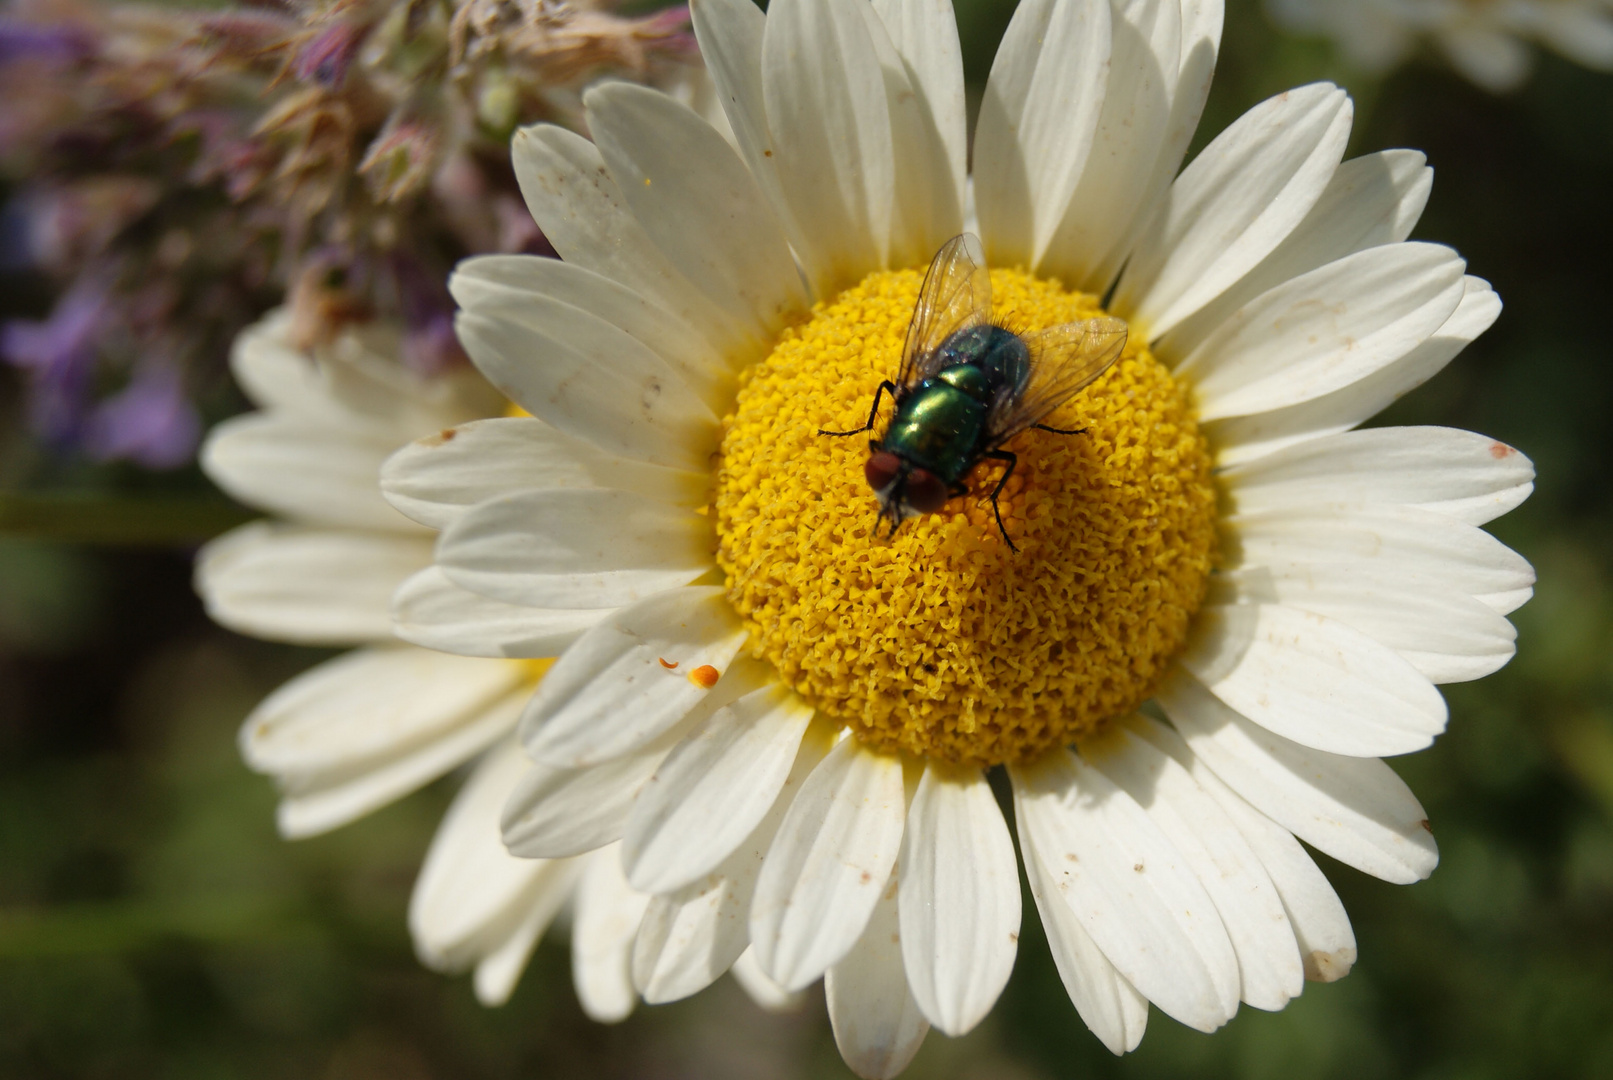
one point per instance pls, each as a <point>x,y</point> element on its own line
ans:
<point>670,665</point>
<point>705,676</point>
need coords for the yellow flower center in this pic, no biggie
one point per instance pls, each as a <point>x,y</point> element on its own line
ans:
<point>941,641</point>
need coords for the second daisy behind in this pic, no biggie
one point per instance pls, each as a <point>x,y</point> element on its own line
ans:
<point>1227,605</point>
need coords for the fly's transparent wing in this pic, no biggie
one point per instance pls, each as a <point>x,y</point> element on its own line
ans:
<point>1064,360</point>
<point>956,295</point>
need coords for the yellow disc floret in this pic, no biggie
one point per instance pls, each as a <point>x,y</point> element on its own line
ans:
<point>941,641</point>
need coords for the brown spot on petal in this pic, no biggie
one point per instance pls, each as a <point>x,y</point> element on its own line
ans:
<point>670,665</point>
<point>1138,868</point>
<point>1499,450</point>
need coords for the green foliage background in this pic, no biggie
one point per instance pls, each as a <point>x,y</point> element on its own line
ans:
<point>153,925</point>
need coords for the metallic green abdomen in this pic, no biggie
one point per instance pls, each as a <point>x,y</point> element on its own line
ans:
<point>937,428</point>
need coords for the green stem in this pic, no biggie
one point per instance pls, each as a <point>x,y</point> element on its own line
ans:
<point>122,520</point>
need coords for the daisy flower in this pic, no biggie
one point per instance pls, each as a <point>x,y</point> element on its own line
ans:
<point>380,721</point>
<point>1486,40</point>
<point>1226,607</point>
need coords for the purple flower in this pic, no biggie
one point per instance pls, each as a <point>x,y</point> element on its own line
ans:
<point>149,422</point>
<point>27,41</point>
<point>58,353</point>
<point>326,57</point>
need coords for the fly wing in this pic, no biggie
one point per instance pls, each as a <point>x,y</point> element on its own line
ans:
<point>1064,361</point>
<point>956,295</point>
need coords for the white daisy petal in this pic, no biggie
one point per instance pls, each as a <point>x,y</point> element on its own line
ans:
<point>766,993</point>
<point>1109,1005</point>
<point>1437,550</point>
<point>1486,56</point>
<point>1371,200</point>
<point>582,213</point>
<point>959,898</point>
<point>473,900</point>
<point>575,548</point>
<point>695,198</point>
<point>1466,475</point>
<point>306,470</point>
<point>826,109</point>
<point>499,279</point>
<point>1135,123</point>
<point>1269,967</point>
<point>557,813</point>
<point>1321,926</point>
<point>926,210</point>
<point>317,801</point>
<point>305,585</point>
<point>1354,809</point>
<point>1037,121</point>
<point>691,936</point>
<point>628,680</point>
<point>367,704</point>
<point>877,1022</point>
<point>608,914</point>
<point>431,611</point>
<point>828,864</point>
<point>435,479</point>
<point>925,34</point>
<point>1313,680</point>
<point>591,381</point>
<point>1130,888</point>
<point>1239,198</point>
<point>1244,438</point>
<point>1445,634</point>
<point>1325,330</point>
<point>713,789</point>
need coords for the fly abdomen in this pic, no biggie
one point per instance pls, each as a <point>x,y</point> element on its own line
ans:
<point>937,428</point>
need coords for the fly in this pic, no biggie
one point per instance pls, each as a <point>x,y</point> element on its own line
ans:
<point>968,385</point>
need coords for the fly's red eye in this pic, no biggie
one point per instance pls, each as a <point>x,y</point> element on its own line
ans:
<point>925,491</point>
<point>881,469</point>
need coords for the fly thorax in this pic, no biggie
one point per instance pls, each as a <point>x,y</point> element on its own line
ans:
<point>939,641</point>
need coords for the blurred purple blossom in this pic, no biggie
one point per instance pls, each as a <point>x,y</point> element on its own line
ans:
<point>150,422</point>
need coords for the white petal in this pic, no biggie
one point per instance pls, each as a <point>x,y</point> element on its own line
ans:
<point>591,381</point>
<point>473,899</point>
<point>1493,59</point>
<point>575,548</point>
<point>1321,926</point>
<point>1325,330</point>
<point>695,198</point>
<point>1468,476</point>
<point>582,213</point>
<point>1445,634</point>
<point>310,586</point>
<point>959,898</point>
<point>1371,200</point>
<point>557,813</point>
<point>1239,198</point>
<point>608,914</point>
<point>318,801</point>
<point>925,34</point>
<point>1313,680</point>
<point>306,470</point>
<point>434,480</point>
<point>1036,123</point>
<point>499,279</point>
<point>691,936</point>
<point>828,865</point>
<point>1354,809</point>
<point>1439,551</point>
<point>613,691</point>
<point>826,109</point>
<point>1145,54</point>
<point>877,1022</point>
<point>713,790</point>
<point>761,988</point>
<point>431,611</point>
<point>1110,1006</point>
<point>1269,968</point>
<point>926,209</point>
<point>1130,888</point>
<point>1244,438</point>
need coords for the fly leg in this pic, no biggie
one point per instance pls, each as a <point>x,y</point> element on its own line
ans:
<point>1012,459</point>
<point>1054,430</point>
<point>872,413</point>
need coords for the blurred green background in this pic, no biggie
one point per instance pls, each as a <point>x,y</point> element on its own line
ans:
<point>153,925</point>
